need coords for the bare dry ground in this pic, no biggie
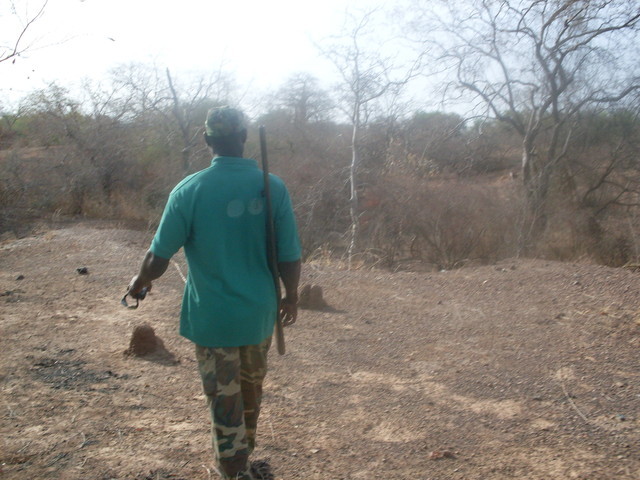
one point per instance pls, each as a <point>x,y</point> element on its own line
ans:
<point>527,369</point>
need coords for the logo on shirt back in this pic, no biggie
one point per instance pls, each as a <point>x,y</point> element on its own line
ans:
<point>255,206</point>
<point>236,208</point>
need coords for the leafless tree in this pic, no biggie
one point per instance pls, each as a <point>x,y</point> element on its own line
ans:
<point>13,47</point>
<point>181,106</point>
<point>304,100</point>
<point>185,108</point>
<point>535,65</point>
<point>93,133</point>
<point>367,75</point>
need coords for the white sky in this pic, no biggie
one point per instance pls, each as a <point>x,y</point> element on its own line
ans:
<point>261,41</point>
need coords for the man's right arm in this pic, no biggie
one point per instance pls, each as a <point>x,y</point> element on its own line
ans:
<point>152,268</point>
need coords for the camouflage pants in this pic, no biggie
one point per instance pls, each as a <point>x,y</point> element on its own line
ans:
<point>232,381</point>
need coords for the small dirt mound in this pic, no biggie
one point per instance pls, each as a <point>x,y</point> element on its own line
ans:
<point>311,298</point>
<point>143,341</point>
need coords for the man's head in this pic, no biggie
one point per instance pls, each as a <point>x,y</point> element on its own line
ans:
<point>226,131</point>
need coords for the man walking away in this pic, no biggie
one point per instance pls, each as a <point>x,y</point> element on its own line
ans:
<point>229,305</point>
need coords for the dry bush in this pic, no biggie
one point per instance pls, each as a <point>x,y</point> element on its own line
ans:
<point>34,181</point>
<point>614,251</point>
<point>575,233</point>
<point>447,224</point>
<point>570,235</point>
<point>61,181</point>
<point>313,166</point>
<point>465,223</point>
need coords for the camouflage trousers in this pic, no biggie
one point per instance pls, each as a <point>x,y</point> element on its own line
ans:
<point>232,381</point>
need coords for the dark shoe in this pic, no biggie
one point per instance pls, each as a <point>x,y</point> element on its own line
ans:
<point>261,470</point>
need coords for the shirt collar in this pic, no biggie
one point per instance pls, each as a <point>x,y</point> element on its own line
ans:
<point>233,162</point>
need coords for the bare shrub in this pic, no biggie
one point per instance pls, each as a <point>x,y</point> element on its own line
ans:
<point>570,235</point>
<point>614,251</point>
<point>463,223</point>
<point>447,224</point>
<point>576,234</point>
<point>35,181</point>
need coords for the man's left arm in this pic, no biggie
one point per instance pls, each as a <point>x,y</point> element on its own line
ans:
<point>290,275</point>
<point>289,254</point>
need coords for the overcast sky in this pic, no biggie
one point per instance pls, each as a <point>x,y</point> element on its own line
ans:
<point>262,42</point>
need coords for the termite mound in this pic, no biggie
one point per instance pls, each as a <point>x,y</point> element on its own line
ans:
<point>143,341</point>
<point>311,298</point>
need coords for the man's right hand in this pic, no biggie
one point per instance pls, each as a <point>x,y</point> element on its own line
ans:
<point>136,286</point>
<point>152,267</point>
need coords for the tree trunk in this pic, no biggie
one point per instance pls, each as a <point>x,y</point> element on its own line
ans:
<point>536,178</point>
<point>353,200</point>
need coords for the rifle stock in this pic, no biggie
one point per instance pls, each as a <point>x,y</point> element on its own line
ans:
<point>271,241</point>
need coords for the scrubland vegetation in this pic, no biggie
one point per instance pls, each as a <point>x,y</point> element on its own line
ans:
<point>550,170</point>
<point>432,189</point>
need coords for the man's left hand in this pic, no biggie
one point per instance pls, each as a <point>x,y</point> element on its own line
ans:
<point>288,312</point>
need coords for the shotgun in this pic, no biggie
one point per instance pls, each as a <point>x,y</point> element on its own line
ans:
<point>272,255</point>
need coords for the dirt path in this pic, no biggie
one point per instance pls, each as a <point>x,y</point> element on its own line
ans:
<point>527,369</point>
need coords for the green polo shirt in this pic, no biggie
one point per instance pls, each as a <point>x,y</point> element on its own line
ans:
<point>218,216</point>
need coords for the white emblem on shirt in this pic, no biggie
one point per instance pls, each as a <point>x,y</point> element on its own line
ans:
<point>255,206</point>
<point>235,208</point>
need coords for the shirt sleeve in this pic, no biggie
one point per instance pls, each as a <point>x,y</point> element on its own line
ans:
<point>288,247</point>
<point>173,230</point>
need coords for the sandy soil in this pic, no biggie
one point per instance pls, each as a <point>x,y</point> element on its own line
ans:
<point>522,370</point>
